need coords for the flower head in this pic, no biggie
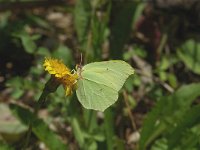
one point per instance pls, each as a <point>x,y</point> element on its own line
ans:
<point>63,74</point>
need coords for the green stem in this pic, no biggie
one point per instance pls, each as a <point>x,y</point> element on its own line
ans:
<point>50,87</point>
<point>109,130</point>
<point>41,100</point>
<point>28,135</point>
<point>36,108</point>
<point>163,42</point>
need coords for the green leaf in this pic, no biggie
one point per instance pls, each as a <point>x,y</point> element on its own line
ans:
<point>5,19</point>
<point>39,128</point>
<point>15,82</point>
<point>99,137</point>
<point>119,144</point>
<point>17,93</point>
<point>43,51</point>
<point>164,64</point>
<point>100,82</point>
<point>91,145</point>
<point>64,53</point>
<point>39,21</point>
<point>191,118</point>
<point>28,44</point>
<point>10,129</point>
<point>172,80</point>
<point>99,30</point>
<point>167,112</point>
<point>27,41</point>
<point>77,132</point>
<point>138,12</point>
<point>109,130</point>
<point>189,53</point>
<point>82,19</point>
<point>160,144</point>
<point>121,27</point>
<point>5,146</point>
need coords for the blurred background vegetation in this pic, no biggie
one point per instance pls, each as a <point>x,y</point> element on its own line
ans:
<point>158,107</point>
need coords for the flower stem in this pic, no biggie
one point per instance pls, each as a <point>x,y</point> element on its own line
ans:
<point>50,87</point>
<point>41,100</point>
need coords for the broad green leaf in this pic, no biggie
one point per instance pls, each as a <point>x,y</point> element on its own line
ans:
<point>39,128</point>
<point>167,112</point>
<point>11,129</point>
<point>100,83</point>
<point>160,144</point>
<point>122,16</point>
<point>17,93</point>
<point>43,51</point>
<point>17,85</point>
<point>27,41</point>
<point>191,118</point>
<point>190,55</point>
<point>4,146</point>
<point>64,53</point>
<point>28,44</point>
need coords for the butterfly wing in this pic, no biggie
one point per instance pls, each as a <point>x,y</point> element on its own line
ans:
<point>95,96</point>
<point>100,82</point>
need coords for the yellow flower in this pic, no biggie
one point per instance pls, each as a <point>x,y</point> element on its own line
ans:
<point>63,74</point>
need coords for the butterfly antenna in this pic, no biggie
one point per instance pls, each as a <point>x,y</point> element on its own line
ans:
<point>80,64</point>
<point>81,60</point>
